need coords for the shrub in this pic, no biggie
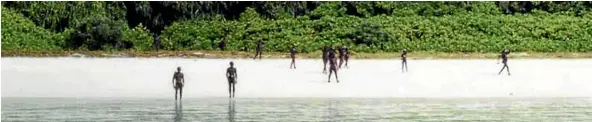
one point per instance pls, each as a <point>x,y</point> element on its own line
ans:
<point>19,33</point>
<point>458,33</point>
<point>139,36</point>
<point>100,34</point>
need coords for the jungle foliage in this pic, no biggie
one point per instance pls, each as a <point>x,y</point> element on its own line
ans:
<point>364,26</point>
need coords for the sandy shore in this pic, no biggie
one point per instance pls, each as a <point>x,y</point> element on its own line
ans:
<point>151,77</point>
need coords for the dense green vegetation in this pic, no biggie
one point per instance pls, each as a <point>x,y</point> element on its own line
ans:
<point>363,26</point>
<point>19,33</point>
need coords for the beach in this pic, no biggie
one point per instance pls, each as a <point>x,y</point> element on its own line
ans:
<point>140,89</point>
<point>151,77</point>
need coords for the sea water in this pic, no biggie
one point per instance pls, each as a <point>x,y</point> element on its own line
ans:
<point>297,109</point>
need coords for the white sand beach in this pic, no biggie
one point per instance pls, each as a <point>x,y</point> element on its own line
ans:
<point>272,78</point>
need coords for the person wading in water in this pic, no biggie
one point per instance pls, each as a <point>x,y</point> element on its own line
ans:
<point>504,57</point>
<point>231,75</point>
<point>404,61</point>
<point>178,82</point>
<point>293,56</point>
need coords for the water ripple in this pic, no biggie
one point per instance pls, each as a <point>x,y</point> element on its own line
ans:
<point>317,109</point>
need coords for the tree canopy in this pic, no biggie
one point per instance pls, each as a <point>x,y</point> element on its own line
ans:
<point>367,26</point>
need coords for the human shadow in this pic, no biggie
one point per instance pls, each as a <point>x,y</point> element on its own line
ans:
<point>178,111</point>
<point>231,111</point>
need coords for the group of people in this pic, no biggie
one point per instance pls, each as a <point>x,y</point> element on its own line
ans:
<point>504,56</point>
<point>328,56</point>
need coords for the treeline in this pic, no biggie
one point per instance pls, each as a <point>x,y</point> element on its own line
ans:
<point>363,26</point>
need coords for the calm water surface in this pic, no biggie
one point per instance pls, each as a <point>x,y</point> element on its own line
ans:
<point>297,109</point>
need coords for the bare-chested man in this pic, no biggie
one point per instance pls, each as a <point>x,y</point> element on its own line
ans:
<point>259,49</point>
<point>178,82</point>
<point>346,56</point>
<point>293,56</point>
<point>504,57</point>
<point>325,58</point>
<point>342,55</point>
<point>232,76</point>
<point>404,61</point>
<point>222,44</point>
<point>332,65</point>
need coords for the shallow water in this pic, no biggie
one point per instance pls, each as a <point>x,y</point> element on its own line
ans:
<point>297,109</point>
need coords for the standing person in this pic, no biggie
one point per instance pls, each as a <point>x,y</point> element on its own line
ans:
<point>293,56</point>
<point>259,49</point>
<point>222,44</point>
<point>156,42</point>
<point>504,57</point>
<point>325,58</point>
<point>346,56</point>
<point>178,82</point>
<point>404,61</point>
<point>244,44</point>
<point>341,55</point>
<point>231,75</point>
<point>332,65</point>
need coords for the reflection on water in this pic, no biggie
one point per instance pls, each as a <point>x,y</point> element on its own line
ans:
<point>305,109</point>
<point>178,111</point>
<point>231,111</point>
<point>333,106</point>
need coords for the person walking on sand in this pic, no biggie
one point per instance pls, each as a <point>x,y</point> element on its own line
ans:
<point>504,57</point>
<point>325,58</point>
<point>258,49</point>
<point>342,55</point>
<point>178,82</point>
<point>404,61</point>
<point>231,75</point>
<point>332,65</point>
<point>347,54</point>
<point>293,56</point>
